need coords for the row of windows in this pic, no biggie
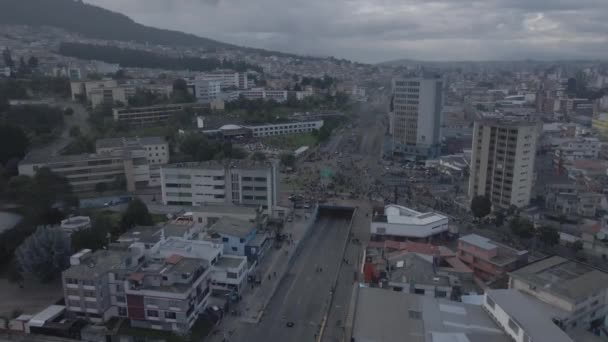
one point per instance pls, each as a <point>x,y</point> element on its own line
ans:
<point>167,314</point>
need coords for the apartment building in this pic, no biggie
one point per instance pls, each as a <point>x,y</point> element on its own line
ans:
<point>488,259</point>
<point>229,275</point>
<point>234,234</point>
<point>400,223</point>
<point>577,290</point>
<point>164,287</point>
<point>294,127</point>
<point>416,115</point>
<point>502,162</point>
<point>108,95</point>
<point>244,182</point>
<point>227,79</point>
<point>207,91</point>
<point>84,171</point>
<point>156,151</point>
<point>261,94</point>
<point>83,89</point>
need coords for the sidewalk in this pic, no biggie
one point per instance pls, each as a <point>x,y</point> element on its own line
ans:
<point>251,307</point>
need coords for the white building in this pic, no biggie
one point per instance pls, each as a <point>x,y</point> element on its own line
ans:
<point>416,116</point>
<point>156,149</point>
<point>206,90</point>
<point>401,222</point>
<point>227,79</point>
<point>228,275</point>
<point>295,127</point>
<point>261,93</point>
<point>243,182</point>
<point>75,223</point>
<point>522,317</point>
<point>580,148</point>
<point>502,163</point>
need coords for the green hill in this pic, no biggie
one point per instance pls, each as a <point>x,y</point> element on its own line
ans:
<point>96,22</point>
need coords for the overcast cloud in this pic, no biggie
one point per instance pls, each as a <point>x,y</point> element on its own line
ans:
<point>381,30</point>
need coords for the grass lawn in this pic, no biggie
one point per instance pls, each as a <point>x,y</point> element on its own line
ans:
<point>291,142</point>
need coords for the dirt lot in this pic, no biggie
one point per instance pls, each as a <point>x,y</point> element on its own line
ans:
<point>30,299</point>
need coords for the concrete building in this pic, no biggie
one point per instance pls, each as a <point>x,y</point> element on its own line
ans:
<point>416,116</point>
<point>83,89</point>
<point>116,169</point>
<point>244,182</point>
<point>522,317</point>
<point>580,148</point>
<point>156,150</point>
<point>234,234</point>
<point>152,114</point>
<point>209,213</point>
<point>261,94</point>
<point>417,274</point>
<point>379,315</point>
<point>264,130</point>
<point>229,275</point>
<point>489,260</point>
<point>579,291</point>
<point>227,79</point>
<point>398,222</point>
<point>502,163</point>
<point>207,91</point>
<point>108,95</point>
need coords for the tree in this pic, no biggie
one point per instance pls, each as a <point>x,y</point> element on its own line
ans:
<point>22,69</point>
<point>288,159</point>
<point>101,188</point>
<point>14,273</point>
<point>197,147</point>
<point>96,237</point>
<point>500,218</point>
<point>45,254</point>
<point>522,227</point>
<point>13,143</point>
<point>259,156</point>
<point>136,214</point>
<point>32,62</point>
<point>7,57</point>
<point>481,206</point>
<point>548,236</point>
<point>75,131</point>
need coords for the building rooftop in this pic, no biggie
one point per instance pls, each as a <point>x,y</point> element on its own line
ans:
<point>533,316</point>
<point>388,316</point>
<point>221,165</point>
<point>397,214</point>
<point>230,261</point>
<point>232,226</point>
<point>504,254</point>
<point>97,264</point>
<point>128,141</point>
<point>145,234</point>
<point>412,268</point>
<point>190,248</point>
<point>564,278</point>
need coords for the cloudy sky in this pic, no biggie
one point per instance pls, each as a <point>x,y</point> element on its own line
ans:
<point>381,30</point>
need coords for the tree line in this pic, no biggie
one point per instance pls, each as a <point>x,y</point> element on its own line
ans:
<point>143,59</point>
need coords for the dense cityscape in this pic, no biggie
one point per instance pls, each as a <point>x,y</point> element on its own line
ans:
<point>166,187</point>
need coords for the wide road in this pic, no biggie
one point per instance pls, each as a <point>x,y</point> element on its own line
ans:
<point>302,297</point>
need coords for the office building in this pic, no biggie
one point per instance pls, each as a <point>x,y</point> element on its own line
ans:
<point>379,315</point>
<point>227,79</point>
<point>153,114</point>
<point>83,89</point>
<point>207,91</point>
<point>398,223</point>
<point>156,150</point>
<point>578,291</point>
<point>118,169</point>
<point>261,94</point>
<point>244,182</point>
<point>488,259</point>
<point>264,130</point>
<point>108,95</point>
<point>416,116</point>
<point>502,162</point>
<point>578,148</point>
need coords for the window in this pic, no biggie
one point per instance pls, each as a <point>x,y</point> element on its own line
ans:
<point>152,313</point>
<point>170,315</point>
<point>89,294</point>
<point>224,239</point>
<point>234,249</point>
<point>513,326</point>
<point>231,275</point>
<point>415,314</point>
<point>74,303</point>
<point>122,311</point>
<point>71,281</point>
<point>120,299</point>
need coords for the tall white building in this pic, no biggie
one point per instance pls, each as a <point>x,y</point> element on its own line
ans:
<point>502,162</point>
<point>227,79</point>
<point>416,115</point>
<point>206,90</point>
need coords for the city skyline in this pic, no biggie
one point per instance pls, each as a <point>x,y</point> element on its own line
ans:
<point>378,31</point>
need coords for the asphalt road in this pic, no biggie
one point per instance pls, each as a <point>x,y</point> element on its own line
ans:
<point>302,297</point>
